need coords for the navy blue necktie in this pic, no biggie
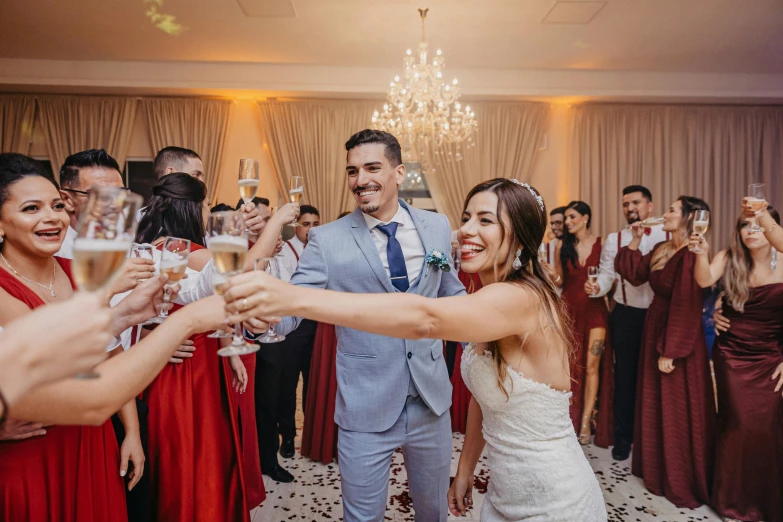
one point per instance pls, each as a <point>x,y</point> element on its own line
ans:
<point>397,270</point>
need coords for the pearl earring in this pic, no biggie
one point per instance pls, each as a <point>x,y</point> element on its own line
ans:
<point>517,264</point>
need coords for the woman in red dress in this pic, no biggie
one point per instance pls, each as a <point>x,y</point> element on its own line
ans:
<point>593,385</point>
<point>319,433</point>
<point>748,360</point>
<point>248,436</point>
<point>674,433</point>
<point>72,473</point>
<point>195,460</point>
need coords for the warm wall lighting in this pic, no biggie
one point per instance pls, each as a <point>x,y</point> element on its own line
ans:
<point>165,22</point>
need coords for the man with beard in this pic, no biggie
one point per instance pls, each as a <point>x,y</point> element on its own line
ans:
<point>627,319</point>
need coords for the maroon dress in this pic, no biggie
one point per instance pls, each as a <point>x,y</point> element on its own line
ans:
<point>674,428</point>
<point>460,395</point>
<point>748,482</point>
<point>586,314</point>
<point>319,434</point>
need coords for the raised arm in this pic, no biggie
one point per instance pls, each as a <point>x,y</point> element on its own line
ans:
<point>267,241</point>
<point>121,377</point>
<point>708,273</point>
<point>507,309</point>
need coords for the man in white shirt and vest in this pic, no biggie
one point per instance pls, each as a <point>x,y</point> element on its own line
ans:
<point>627,319</point>
<point>279,365</point>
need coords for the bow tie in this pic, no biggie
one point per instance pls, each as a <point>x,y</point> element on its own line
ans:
<point>647,231</point>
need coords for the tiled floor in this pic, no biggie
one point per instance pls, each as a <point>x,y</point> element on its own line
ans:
<point>316,493</point>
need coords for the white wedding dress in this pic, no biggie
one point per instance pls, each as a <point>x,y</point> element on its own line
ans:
<point>537,469</point>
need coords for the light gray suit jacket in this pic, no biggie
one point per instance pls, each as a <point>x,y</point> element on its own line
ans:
<point>374,371</point>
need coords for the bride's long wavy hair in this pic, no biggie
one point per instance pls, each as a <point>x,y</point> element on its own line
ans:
<point>739,265</point>
<point>528,225</point>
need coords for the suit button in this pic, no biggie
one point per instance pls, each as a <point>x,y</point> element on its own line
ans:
<point>410,355</point>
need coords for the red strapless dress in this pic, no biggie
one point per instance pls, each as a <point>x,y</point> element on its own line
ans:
<point>319,435</point>
<point>194,453</point>
<point>71,474</point>
<point>460,395</point>
<point>587,313</point>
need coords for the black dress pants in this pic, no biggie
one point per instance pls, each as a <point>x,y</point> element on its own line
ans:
<point>139,500</point>
<point>626,324</point>
<point>278,366</point>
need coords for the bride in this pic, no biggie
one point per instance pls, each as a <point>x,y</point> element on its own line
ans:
<point>516,365</point>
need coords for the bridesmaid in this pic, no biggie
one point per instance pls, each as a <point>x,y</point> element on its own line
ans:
<point>195,458</point>
<point>71,473</point>
<point>578,250</point>
<point>673,447</point>
<point>748,361</point>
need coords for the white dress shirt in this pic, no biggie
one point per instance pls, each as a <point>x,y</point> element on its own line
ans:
<point>66,249</point>
<point>551,248</point>
<point>625,293</point>
<point>287,260</point>
<point>412,247</point>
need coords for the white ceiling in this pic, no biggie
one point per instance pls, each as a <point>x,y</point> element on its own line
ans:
<point>693,36</point>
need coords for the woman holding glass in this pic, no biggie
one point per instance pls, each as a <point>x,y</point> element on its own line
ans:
<point>62,475</point>
<point>194,459</point>
<point>673,447</point>
<point>575,256</point>
<point>748,361</point>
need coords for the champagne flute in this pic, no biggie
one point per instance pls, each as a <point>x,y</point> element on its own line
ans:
<point>701,222</point>
<point>142,251</point>
<point>756,200</point>
<point>271,266</point>
<point>592,275</point>
<point>542,258</point>
<point>220,285</point>
<point>248,179</point>
<point>173,262</point>
<point>227,236</point>
<point>649,222</point>
<point>105,231</point>
<point>295,193</point>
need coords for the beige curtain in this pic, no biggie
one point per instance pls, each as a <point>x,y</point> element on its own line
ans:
<point>710,152</point>
<point>505,147</point>
<point>17,117</point>
<point>307,138</point>
<point>197,124</point>
<point>75,123</point>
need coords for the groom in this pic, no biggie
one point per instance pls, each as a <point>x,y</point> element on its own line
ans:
<point>391,392</point>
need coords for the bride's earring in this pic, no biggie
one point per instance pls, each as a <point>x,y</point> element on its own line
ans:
<point>517,263</point>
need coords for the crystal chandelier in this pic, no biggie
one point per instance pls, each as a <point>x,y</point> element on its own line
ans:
<point>422,109</point>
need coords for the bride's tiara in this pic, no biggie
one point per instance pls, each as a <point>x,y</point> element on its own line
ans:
<point>531,190</point>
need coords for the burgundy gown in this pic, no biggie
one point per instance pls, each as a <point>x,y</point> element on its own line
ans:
<point>460,395</point>
<point>71,474</point>
<point>748,482</point>
<point>248,436</point>
<point>319,434</point>
<point>588,313</point>
<point>194,459</point>
<point>674,428</point>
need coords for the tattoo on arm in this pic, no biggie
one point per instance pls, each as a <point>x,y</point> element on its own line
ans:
<point>597,348</point>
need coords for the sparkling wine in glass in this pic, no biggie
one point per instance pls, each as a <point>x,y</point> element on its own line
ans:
<point>173,262</point>
<point>295,193</point>
<point>227,238</point>
<point>592,275</point>
<point>271,266</point>
<point>756,198</point>
<point>248,179</point>
<point>542,258</point>
<point>701,222</point>
<point>105,231</point>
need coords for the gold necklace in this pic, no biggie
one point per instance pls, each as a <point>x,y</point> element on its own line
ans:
<point>20,276</point>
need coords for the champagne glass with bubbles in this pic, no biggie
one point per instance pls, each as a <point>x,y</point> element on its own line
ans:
<point>248,179</point>
<point>105,231</point>
<point>271,266</point>
<point>295,193</point>
<point>701,222</point>
<point>227,238</point>
<point>173,262</point>
<point>592,275</point>
<point>756,198</point>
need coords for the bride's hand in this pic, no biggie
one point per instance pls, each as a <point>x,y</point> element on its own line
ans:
<point>257,294</point>
<point>460,495</point>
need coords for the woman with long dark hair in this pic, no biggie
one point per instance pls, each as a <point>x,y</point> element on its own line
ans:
<point>195,458</point>
<point>748,361</point>
<point>674,432</point>
<point>517,365</point>
<point>579,250</point>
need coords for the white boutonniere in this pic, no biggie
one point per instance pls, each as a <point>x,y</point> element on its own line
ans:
<point>437,259</point>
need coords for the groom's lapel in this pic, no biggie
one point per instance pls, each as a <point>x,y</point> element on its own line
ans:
<point>362,236</point>
<point>420,219</point>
